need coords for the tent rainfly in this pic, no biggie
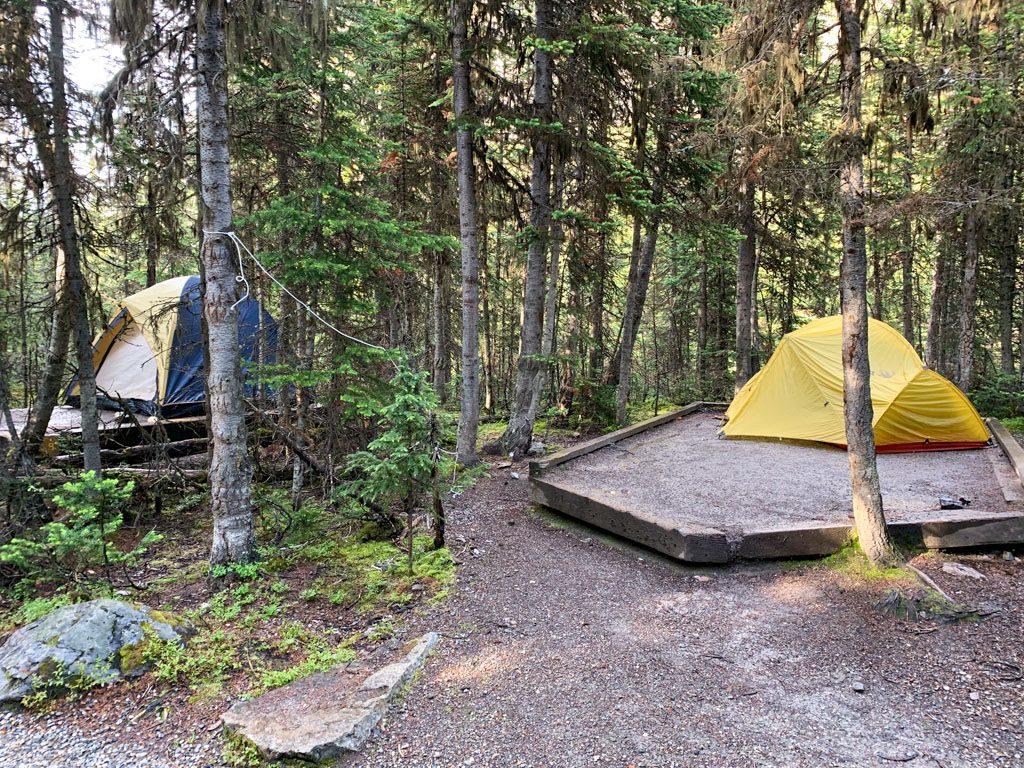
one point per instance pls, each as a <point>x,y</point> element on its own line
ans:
<point>150,357</point>
<point>798,395</point>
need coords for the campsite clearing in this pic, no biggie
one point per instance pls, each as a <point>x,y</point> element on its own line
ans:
<point>674,485</point>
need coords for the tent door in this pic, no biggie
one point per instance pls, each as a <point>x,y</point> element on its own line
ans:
<point>129,369</point>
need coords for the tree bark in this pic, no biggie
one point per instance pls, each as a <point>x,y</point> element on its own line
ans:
<point>230,471</point>
<point>907,252</point>
<point>62,181</point>
<point>469,401</point>
<point>745,252</point>
<point>441,357</point>
<point>969,294</point>
<point>934,343</point>
<point>547,345</point>
<point>53,368</point>
<point>51,135</point>
<point>518,435</point>
<point>867,496</point>
<point>1008,273</point>
<point>636,291</point>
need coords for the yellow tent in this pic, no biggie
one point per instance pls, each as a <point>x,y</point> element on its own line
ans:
<point>798,395</point>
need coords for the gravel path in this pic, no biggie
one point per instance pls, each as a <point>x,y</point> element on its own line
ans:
<point>565,648</point>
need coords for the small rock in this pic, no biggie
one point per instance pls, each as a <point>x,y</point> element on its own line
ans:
<point>416,588</point>
<point>702,579</point>
<point>897,755</point>
<point>514,475</point>
<point>537,448</point>
<point>974,696</point>
<point>959,569</point>
<point>859,687</point>
<point>1008,557</point>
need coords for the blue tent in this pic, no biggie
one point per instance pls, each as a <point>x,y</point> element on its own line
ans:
<point>150,357</point>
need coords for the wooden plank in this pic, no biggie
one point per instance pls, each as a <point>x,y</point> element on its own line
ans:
<point>794,541</point>
<point>538,467</point>
<point>1010,446</point>
<point>964,530</point>
<point>1013,490</point>
<point>692,543</point>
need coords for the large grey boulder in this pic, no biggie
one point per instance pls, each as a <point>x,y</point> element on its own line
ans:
<point>322,716</point>
<point>91,643</point>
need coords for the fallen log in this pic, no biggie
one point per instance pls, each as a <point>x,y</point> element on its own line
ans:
<point>135,453</point>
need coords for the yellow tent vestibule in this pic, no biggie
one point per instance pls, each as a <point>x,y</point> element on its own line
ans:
<point>798,395</point>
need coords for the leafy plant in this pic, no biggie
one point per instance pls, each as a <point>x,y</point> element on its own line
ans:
<point>400,464</point>
<point>1001,397</point>
<point>79,542</point>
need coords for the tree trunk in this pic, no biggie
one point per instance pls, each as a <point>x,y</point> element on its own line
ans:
<point>439,314</point>
<point>934,343</point>
<point>965,379</point>
<point>53,367</point>
<point>488,316</point>
<point>230,472</point>
<point>907,252</point>
<point>1008,273</point>
<point>62,181</point>
<point>469,401</point>
<point>51,135</point>
<point>518,435</point>
<point>636,291</point>
<point>860,438</point>
<point>547,345</point>
<point>745,251</point>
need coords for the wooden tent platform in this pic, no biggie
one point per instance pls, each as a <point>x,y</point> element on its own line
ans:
<point>670,483</point>
<point>117,429</point>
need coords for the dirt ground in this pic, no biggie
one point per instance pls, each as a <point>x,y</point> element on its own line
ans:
<point>665,472</point>
<point>564,647</point>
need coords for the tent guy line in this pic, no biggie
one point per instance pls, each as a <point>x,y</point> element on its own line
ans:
<point>240,247</point>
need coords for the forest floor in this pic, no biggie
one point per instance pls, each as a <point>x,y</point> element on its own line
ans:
<point>566,647</point>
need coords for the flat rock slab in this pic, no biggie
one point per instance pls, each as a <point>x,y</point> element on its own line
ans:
<point>326,714</point>
<point>676,487</point>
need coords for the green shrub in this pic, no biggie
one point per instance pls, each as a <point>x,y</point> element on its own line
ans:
<point>79,542</point>
<point>1002,397</point>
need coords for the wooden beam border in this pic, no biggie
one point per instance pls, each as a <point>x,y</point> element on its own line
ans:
<point>538,467</point>
<point>1009,445</point>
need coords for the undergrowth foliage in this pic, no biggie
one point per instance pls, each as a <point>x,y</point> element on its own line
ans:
<point>78,544</point>
<point>400,464</point>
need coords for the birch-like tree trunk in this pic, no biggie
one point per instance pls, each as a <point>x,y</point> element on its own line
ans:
<point>230,471</point>
<point>518,435</point>
<point>860,438</point>
<point>968,298</point>
<point>469,400</point>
